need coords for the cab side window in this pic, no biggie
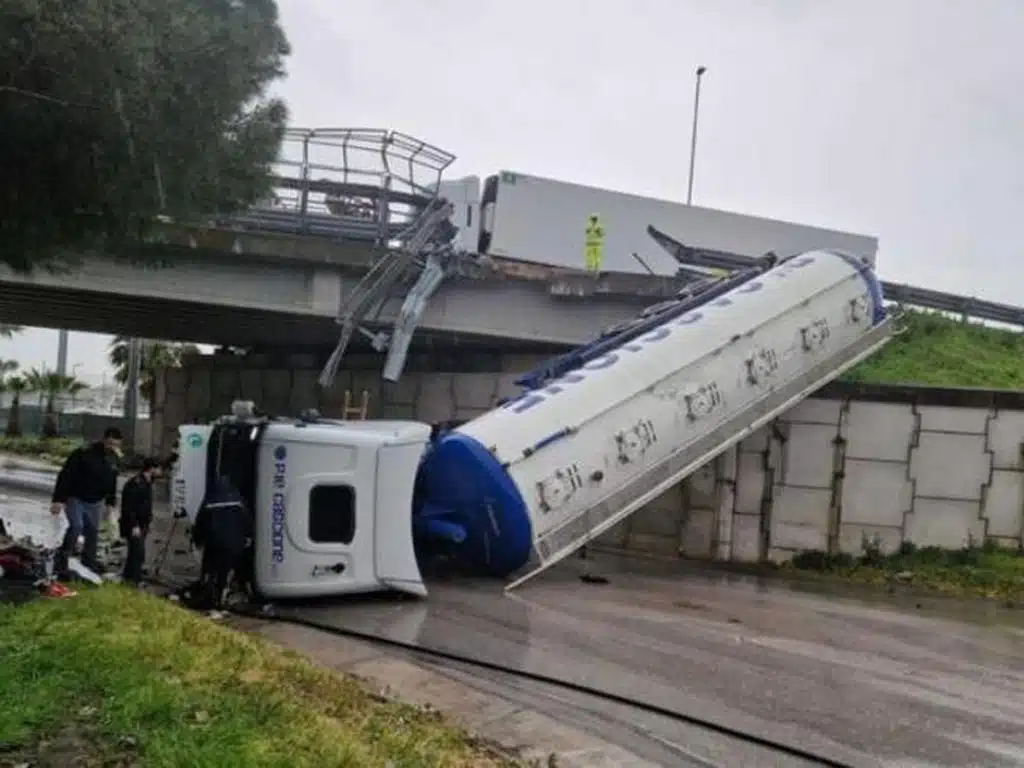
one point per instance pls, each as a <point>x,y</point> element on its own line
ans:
<point>332,514</point>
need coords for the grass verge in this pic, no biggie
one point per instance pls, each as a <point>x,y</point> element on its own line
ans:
<point>116,677</point>
<point>939,351</point>
<point>971,572</point>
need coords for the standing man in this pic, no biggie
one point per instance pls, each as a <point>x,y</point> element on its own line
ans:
<point>223,529</point>
<point>136,516</point>
<point>86,482</point>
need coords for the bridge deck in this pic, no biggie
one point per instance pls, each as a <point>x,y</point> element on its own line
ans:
<point>219,286</point>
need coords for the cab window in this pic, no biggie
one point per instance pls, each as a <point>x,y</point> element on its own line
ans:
<point>332,514</point>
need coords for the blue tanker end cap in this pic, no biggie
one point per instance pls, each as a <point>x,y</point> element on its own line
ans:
<point>462,485</point>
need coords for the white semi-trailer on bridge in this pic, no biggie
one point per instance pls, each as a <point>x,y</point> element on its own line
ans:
<point>345,507</point>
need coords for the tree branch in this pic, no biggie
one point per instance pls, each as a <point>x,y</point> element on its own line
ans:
<point>43,97</point>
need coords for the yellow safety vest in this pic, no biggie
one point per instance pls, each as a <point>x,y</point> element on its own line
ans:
<point>594,244</point>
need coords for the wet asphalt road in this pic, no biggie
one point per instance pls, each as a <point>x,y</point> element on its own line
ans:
<point>864,684</point>
<point>870,683</point>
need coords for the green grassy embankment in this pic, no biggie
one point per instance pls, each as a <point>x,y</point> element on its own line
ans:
<point>942,352</point>
<point>114,677</point>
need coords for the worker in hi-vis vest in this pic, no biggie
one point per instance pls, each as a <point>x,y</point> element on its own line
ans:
<point>594,243</point>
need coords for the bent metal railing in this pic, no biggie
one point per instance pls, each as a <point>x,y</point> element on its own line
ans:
<point>378,187</point>
<point>897,293</point>
<point>354,184</point>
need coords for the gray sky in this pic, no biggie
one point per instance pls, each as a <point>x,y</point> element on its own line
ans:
<point>896,118</point>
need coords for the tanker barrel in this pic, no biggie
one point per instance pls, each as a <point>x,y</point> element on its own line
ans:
<point>641,325</point>
<point>603,431</point>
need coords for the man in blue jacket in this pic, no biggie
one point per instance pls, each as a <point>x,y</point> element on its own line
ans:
<point>86,482</point>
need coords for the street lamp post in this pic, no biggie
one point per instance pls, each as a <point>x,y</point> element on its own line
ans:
<point>693,134</point>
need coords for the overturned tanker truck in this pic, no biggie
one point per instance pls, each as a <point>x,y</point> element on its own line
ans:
<point>346,507</point>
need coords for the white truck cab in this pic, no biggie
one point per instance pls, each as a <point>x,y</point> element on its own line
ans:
<point>332,500</point>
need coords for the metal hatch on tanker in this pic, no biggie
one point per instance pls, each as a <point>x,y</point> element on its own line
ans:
<point>594,436</point>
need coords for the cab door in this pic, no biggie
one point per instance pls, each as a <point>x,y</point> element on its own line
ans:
<point>320,498</point>
<point>397,464</point>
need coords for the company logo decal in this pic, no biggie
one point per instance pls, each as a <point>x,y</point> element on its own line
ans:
<point>277,507</point>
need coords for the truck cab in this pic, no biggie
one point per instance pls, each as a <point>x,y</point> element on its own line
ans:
<point>331,500</point>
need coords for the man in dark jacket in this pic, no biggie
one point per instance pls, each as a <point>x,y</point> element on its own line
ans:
<point>223,529</point>
<point>136,516</point>
<point>86,482</point>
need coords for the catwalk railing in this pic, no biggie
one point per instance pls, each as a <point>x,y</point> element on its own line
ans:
<point>356,184</point>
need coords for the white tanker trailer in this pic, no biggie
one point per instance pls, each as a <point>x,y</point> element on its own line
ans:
<point>346,507</point>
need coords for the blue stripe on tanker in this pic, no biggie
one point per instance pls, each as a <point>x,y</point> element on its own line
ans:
<point>464,485</point>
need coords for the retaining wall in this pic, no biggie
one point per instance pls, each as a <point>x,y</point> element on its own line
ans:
<point>855,463</point>
<point>433,388</point>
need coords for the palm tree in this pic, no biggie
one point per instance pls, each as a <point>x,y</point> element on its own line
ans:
<point>155,356</point>
<point>17,386</point>
<point>6,366</point>
<point>51,386</point>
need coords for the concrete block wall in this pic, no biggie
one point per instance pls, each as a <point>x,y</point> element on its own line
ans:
<point>204,389</point>
<point>855,464</point>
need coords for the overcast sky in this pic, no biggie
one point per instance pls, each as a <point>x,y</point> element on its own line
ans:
<point>896,118</point>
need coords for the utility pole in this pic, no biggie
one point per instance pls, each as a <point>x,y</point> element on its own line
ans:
<point>62,352</point>
<point>693,134</point>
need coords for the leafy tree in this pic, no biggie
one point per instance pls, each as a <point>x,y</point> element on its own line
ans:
<point>155,356</point>
<point>17,386</point>
<point>51,386</point>
<point>115,111</point>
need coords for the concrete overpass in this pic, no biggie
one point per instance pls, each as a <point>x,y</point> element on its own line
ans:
<point>249,288</point>
<point>282,274</point>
